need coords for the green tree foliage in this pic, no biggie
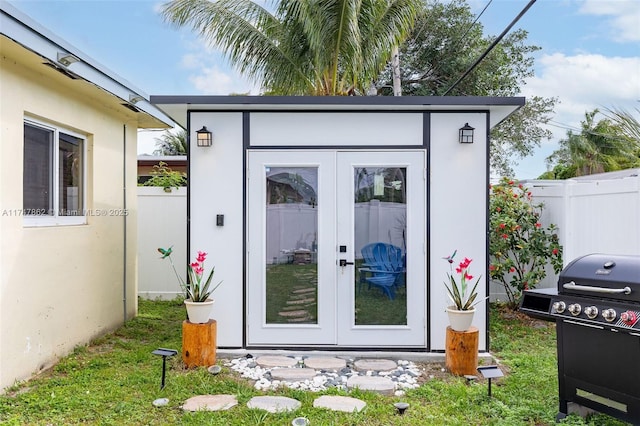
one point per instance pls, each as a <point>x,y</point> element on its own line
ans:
<point>172,143</point>
<point>520,247</point>
<point>445,41</point>
<point>601,146</point>
<point>329,47</point>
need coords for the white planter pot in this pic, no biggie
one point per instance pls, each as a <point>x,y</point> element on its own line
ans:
<point>460,320</point>
<point>199,312</point>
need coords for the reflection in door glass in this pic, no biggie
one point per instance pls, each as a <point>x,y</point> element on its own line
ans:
<point>380,222</point>
<point>291,245</point>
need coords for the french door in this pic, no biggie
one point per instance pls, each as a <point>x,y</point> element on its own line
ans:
<point>336,248</point>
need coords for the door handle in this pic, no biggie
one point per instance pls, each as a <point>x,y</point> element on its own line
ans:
<point>343,262</point>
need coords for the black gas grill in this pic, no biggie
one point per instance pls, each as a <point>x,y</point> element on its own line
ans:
<point>596,308</point>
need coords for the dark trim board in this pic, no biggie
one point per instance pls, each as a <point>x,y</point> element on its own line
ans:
<point>322,101</point>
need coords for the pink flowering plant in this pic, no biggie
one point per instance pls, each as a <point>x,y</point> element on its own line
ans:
<point>197,288</point>
<point>521,248</point>
<point>459,283</point>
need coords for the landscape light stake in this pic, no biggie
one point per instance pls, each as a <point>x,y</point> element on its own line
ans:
<point>490,372</point>
<point>164,353</point>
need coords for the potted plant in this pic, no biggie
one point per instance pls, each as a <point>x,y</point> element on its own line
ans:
<point>463,308</point>
<point>197,289</point>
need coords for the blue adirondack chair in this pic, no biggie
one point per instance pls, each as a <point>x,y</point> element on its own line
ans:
<point>383,267</point>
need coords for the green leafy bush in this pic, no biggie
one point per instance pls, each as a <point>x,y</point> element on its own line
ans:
<point>520,247</point>
<point>163,176</point>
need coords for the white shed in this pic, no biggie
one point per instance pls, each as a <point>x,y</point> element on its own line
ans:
<point>294,190</point>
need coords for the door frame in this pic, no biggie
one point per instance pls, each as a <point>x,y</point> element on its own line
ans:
<point>328,332</point>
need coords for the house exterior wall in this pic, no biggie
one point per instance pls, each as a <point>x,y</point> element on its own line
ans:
<point>62,285</point>
<point>216,184</point>
<point>458,206</point>
<point>457,197</point>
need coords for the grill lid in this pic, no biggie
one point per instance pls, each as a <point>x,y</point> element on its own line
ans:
<point>604,276</point>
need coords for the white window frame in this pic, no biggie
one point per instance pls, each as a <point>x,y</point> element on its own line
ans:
<point>55,219</point>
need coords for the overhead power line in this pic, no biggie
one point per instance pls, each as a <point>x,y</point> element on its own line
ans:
<point>490,48</point>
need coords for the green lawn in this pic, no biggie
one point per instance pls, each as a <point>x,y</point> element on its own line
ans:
<point>292,296</point>
<point>114,380</point>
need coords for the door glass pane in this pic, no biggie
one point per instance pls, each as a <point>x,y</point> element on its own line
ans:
<point>380,222</point>
<point>291,245</point>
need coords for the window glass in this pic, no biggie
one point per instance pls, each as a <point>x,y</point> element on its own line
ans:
<point>53,175</point>
<point>70,175</point>
<point>37,192</point>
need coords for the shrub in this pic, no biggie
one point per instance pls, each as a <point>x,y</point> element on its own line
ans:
<point>519,246</point>
<point>163,176</point>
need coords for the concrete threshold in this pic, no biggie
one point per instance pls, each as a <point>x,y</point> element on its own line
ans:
<point>423,357</point>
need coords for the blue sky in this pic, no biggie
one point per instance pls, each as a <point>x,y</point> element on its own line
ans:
<point>590,55</point>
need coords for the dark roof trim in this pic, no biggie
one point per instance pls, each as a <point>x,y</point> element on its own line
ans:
<point>339,100</point>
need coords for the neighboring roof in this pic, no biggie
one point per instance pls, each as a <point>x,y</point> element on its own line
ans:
<point>27,33</point>
<point>155,159</point>
<point>177,106</point>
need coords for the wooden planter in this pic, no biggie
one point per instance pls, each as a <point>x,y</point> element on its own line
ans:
<point>199,343</point>
<point>461,353</point>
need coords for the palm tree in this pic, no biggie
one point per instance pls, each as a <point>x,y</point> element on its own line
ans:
<point>310,47</point>
<point>601,146</point>
<point>171,143</point>
<point>629,124</point>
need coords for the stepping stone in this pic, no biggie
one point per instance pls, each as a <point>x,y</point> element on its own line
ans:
<point>375,365</point>
<point>325,363</point>
<point>381,385</point>
<point>210,403</point>
<point>293,374</point>
<point>304,290</point>
<point>340,403</point>
<point>269,361</point>
<point>274,404</point>
<point>298,313</point>
<point>300,301</point>
<point>306,319</point>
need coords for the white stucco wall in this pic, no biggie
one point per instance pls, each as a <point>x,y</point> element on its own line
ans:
<point>215,177</point>
<point>457,205</point>
<point>62,285</point>
<point>457,213</point>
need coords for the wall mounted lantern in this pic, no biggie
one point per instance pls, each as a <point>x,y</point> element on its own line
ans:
<point>204,137</point>
<point>466,134</point>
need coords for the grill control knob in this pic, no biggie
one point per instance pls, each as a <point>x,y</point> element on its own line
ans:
<point>628,317</point>
<point>591,312</point>
<point>559,307</point>
<point>609,314</point>
<point>575,309</point>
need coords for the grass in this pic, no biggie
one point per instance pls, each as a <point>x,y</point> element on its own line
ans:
<point>114,380</point>
<point>289,284</point>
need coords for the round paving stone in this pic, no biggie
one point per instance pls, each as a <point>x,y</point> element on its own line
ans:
<point>325,363</point>
<point>375,365</point>
<point>274,404</point>
<point>340,403</point>
<point>379,384</point>
<point>210,403</point>
<point>292,374</point>
<point>269,361</point>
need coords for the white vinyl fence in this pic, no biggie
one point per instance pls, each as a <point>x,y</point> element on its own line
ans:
<point>162,222</point>
<point>594,214</point>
